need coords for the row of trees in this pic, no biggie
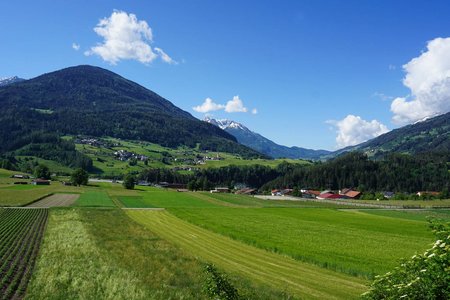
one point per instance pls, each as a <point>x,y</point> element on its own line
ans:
<point>395,172</point>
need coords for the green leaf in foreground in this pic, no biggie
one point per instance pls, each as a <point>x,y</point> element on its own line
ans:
<point>424,276</point>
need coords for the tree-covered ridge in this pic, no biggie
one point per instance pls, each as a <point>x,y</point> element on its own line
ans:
<point>395,172</point>
<point>87,100</point>
<point>429,135</point>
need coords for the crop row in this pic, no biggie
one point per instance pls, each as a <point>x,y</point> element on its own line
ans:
<point>21,232</point>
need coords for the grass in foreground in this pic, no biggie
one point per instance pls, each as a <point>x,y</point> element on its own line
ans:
<point>301,279</point>
<point>347,241</point>
<point>102,254</point>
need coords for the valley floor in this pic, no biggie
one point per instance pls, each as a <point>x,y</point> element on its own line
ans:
<point>157,247</point>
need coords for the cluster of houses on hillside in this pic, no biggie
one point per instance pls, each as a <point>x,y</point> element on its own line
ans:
<point>202,160</point>
<point>124,155</point>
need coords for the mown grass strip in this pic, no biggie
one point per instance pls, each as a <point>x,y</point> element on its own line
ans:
<point>301,279</point>
<point>351,242</point>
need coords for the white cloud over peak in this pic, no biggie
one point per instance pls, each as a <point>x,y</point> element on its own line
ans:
<point>232,106</point>
<point>208,106</point>
<point>75,46</point>
<point>235,105</point>
<point>428,78</point>
<point>126,37</point>
<point>353,130</point>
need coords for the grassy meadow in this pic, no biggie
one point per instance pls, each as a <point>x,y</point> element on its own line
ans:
<point>352,242</point>
<point>270,249</point>
<point>303,280</point>
<point>102,254</point>
<point>94,198</point>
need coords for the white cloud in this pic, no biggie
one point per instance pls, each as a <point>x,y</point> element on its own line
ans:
<point>126,37</point>
<point>254,111</point>
<point>235,105</point>
<point>353,130</point>
<point>382,97</point>
<point>208,106</point>
<point>75,46</point>
<point>166,58</point>
<point>428,78</point>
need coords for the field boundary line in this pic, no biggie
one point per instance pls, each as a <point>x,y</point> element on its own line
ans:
<point>38,199</point>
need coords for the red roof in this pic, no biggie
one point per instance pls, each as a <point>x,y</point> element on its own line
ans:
<point>316,193</point>
<point>330,196</point>
<point>352,194</point>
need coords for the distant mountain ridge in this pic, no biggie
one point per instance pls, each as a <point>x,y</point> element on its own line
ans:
<point>88,100</point>
<point>9,80</point>
<point>262,144</point>
<point>430,134</point>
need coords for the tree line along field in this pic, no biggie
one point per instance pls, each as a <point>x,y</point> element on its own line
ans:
<point>21,231</point>
<point>269,249</point>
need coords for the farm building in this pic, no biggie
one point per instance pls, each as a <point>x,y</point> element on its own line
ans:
<point>276,193</point>
<point>20,176</point>
<point>287,192</point>
<point>220,190</point>
<point>246,191</point>
<point>388,195</point>
<point>40,182</point>
<point>429,193</point>
<point>350,193</point>
<point>329,195</point>
<point>311,194</point>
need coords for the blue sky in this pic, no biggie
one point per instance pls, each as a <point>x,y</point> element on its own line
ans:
<point>320,74</point>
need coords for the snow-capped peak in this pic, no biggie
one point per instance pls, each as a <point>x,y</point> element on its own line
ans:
<point>9,80</point>
<point>225,123</point>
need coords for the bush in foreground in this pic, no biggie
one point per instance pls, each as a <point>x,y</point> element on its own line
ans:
<point>218,286</point>
<point>424,276</point>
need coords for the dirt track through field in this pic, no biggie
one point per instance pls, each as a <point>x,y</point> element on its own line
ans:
<point>56,200</point>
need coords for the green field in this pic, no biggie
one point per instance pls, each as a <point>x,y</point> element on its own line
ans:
<point>94,198</point>
<point>165,199</point>
<point>409,203</point>
<point>102,254</point>
<point>353,242</point>
<point>249,201</point>
<point>301,279</point>
<point>270,249</point>
<point>22,195</point>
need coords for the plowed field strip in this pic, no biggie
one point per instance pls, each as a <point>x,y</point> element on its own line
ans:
<point>302,279</point>
<point>56,200</point>
<point>21,232</point>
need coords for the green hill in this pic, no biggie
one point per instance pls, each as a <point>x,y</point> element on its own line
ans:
<point>92,101</point>
<point>430,135</point>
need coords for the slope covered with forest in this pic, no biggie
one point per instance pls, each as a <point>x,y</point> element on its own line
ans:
<point>92,101</point>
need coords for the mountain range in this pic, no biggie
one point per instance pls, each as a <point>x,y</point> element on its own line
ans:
<point>84,100</point>
<point>87,100</point>
<point>264,145</point>
<point>432,134</point>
